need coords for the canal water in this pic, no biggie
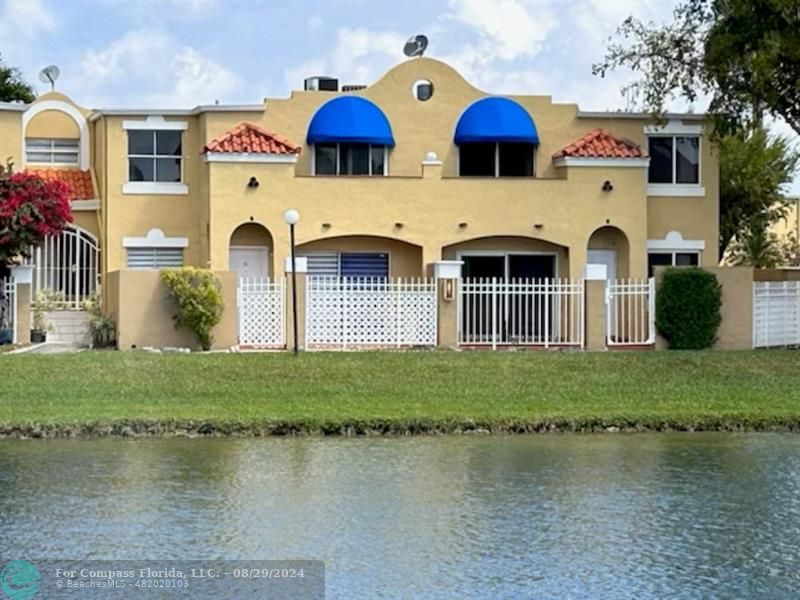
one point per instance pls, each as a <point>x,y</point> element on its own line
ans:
<point>556,516</point>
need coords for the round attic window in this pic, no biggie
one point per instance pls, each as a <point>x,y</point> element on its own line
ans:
<point>422,90</point>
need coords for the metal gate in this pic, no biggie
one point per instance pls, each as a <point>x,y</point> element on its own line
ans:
<point>262,314</point>
<point>630,312</point>
<point>521,312</point>
<point>352,312</point>
<point>8,307</point>
<point>67,264</point>
<point>776,313</point>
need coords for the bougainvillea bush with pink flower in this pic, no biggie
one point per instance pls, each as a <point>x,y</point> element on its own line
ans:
<point>30,210</point>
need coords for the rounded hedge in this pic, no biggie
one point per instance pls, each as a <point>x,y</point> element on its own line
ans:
<point>688,305</point>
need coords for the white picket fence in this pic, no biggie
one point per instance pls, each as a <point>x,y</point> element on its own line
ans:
<point>630,312</point>
<point>523,312</point>
<point>353,312</point>
<point>8,307</point>
<point>262,313</point>
<point>776,313</point>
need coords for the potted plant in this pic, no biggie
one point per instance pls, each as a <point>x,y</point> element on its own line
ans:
<point>40,305</point>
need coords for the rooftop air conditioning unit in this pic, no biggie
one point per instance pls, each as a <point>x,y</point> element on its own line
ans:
<point>321,84</point>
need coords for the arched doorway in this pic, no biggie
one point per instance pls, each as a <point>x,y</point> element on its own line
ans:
<point>509,257</point>
<point>608,245</point>
<point>250,251</point>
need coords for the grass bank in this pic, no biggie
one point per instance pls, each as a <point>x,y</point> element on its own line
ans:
<point>105,393</point>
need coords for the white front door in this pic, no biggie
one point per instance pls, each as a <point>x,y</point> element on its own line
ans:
<point>249,261</point>
<point>604,257</point>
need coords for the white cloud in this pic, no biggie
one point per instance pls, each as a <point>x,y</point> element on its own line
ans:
<point>507,29</point>
<point>163,72</point>
<point>22,21</point>
<point>360,56</point>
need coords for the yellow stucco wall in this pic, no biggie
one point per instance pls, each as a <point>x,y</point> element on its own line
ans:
<point>52,124</point>
<point>11,138</point>
<point>407,209</point>
<point>143,311</point>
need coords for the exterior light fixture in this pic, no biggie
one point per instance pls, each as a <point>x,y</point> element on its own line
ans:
<point>399,225</point>
<point>607,186</point>
<point>253,183</point>
<point>538,225</point>
<point>326,225</point>
<point>291,217</point>
<point>462,225</point>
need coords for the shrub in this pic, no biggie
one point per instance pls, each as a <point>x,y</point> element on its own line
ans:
<point>199,296</point>
<point>102,328</point>
<point>688,308</point>
<point>30,209</point>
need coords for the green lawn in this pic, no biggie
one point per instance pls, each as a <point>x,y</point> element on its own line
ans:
<point>388,391</point>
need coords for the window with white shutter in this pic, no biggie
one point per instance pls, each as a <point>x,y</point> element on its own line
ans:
<point>154,258</point>
<point>51,151</point>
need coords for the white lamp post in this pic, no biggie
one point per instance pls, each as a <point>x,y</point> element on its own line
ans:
<point>291,217</point>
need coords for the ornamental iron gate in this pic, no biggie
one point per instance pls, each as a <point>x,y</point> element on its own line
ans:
<point>521,312</point>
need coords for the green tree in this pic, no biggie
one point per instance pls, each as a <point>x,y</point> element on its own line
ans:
<point>791,250</point>
<point>13,88</point>
<point>754,170</point>
<point>744,54</point>
<point>757,246</point>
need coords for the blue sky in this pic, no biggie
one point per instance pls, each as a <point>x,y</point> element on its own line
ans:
<point>180,53</point>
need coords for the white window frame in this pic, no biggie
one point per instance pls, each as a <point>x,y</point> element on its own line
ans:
<point>53,152</point>
<point>71,111</point>
<point>506,254</point>
<point>155,250</point>
<point>155,123</point>
<point>497,165</point>
<point>675,128</point>
<point>338,152</point>
<point>673,254</point>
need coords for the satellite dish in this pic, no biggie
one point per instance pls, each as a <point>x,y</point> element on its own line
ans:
<point>415,46</point>
<point>49,75</point>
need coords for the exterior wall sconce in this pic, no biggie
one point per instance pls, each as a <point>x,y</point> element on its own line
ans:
<point>607,186</point>
<point>399,225</point>
<point>326,226</point>
<point>462,225</point>
<point>538,225</point>
<point>448,290</point>
<point>253,183</point>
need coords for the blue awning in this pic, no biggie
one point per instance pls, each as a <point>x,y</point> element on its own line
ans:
<point>350,119</point>
<point>496,120</point>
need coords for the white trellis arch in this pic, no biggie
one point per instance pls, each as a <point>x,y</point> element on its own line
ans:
<point>68,264</point>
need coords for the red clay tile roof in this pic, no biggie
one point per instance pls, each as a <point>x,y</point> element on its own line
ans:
<point>246,137</point>
<point>601,144</point>
<point>79,182</point>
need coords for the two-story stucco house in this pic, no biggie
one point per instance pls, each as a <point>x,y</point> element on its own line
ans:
<point>389,178</point>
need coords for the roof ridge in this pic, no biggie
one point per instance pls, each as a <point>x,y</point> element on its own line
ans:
<point>275,143</point>
<point>601,143</point>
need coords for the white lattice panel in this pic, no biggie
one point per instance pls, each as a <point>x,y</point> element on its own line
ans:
<point>261,313</point>
<point>776,313</point>
<point>343,312</point>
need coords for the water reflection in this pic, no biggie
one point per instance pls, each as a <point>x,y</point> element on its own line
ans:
<point>555,516</point>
